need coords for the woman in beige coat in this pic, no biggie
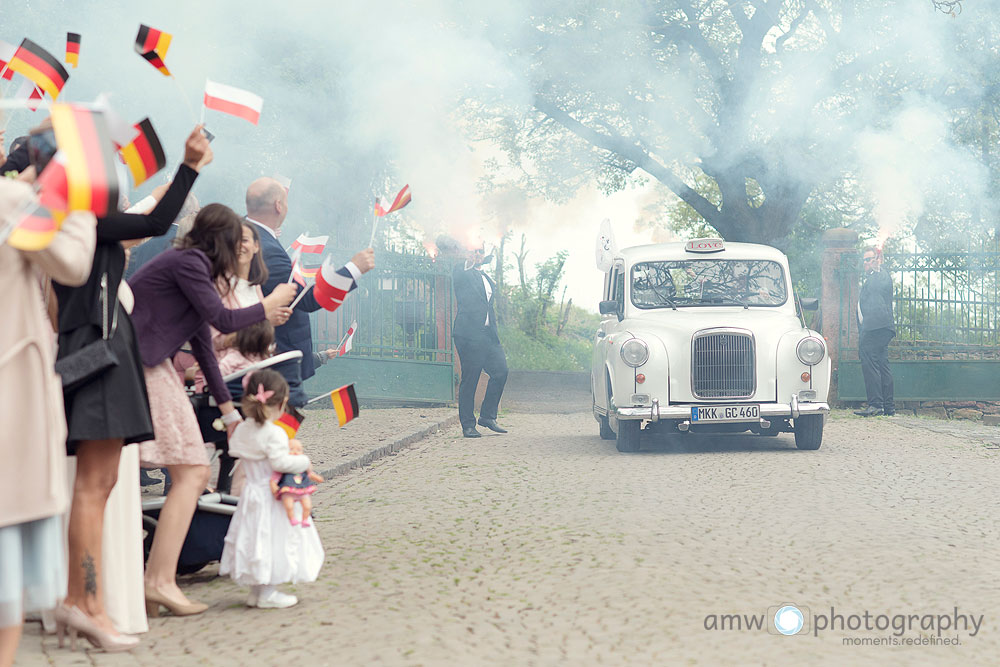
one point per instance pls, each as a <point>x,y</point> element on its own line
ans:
<point>33,491</point>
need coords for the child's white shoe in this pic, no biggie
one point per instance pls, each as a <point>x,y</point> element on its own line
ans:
<point>276,600</point>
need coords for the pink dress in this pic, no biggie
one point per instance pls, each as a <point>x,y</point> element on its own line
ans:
<point>178,437</point>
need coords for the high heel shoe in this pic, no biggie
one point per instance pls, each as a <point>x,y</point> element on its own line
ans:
<point>154,599</point>
<point>77,622</point>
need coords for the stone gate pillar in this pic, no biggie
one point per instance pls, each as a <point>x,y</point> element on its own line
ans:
<point>837,305</point>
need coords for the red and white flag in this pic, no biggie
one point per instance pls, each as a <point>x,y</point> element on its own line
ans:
<point>402,199</point>
<point>296,273</point>
<point>233,101</point>
<point>6,53</point>
<point>332,285</point>
<point>345,345</point>
<point>30,93</point>
<point>310,244</point>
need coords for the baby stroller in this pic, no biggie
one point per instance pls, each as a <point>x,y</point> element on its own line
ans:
<point>207,534</point>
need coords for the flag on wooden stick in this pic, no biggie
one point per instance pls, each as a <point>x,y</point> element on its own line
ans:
<point>346,344</point>
<point>82,136</point>
<point>6,53</point>
<point>401,200</point>
<point>310,244</point>
<point>144,156</point>
<point>152,44</point>
<point>72,49</point>
<point>345,403</point>
<point>35,63</point>
<point>233,101</point>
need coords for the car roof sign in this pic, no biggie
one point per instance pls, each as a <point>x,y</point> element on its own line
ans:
<point>705,245</point>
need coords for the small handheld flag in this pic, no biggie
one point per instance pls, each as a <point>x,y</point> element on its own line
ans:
<point>30,93</point>
<point>144,156</point>
<point>152,44</point>
<point>40,66</point>
<point>73,49</point>
<point>332,286</point>
<point>233,101</point>
<point>82,136</point>
<point>346,344</point>
<point>309,271</point>
<point>290,422</point>
<point>6,53</point>
<point>35,230</point>
<point>345,402</point>
<point>310,244</point>
<point>401,200</point>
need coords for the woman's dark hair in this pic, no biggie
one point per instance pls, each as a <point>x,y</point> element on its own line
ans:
<point>254,341</point>
<point>267,380</point>
<point>258,269</point>
<point>217,232</point>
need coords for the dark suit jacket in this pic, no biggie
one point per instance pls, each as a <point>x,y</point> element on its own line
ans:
<point>876,303</point>
<point>296,333</point>
<point>470,296</point>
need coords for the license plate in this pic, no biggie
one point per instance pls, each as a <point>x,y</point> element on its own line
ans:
<point>725,413</point>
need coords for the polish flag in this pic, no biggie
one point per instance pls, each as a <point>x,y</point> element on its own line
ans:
<point>30,93</point>
<point>332,285</point>
<point>310,244</point>
<point>345,345</point>
<point>6,53</point>
<point>233,101</point>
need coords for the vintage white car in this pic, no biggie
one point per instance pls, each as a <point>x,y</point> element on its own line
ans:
<point>706,337</point>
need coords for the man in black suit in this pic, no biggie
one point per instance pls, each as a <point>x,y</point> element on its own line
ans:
<point>876,325</point>
<point>477,344</point>
<point>267,205</point>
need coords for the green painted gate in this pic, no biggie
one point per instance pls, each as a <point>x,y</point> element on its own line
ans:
<point>947,312</point>
<point>402,349</point>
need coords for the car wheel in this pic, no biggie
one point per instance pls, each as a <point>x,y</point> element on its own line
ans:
<point>809,432</point>
<point>606,432</point>
<point>628,435</point>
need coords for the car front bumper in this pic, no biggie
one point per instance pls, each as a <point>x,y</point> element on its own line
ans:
<point>656,412</point>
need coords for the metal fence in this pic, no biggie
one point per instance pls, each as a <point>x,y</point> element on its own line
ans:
<point>402,348</point>
<point>947,318</point>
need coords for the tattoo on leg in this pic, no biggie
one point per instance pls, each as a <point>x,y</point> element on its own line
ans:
<point>89,575</point>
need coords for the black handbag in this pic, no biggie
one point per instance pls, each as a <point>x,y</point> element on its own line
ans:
<point>90,361</point>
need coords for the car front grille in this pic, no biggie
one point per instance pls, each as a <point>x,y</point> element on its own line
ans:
<point>723,365</point>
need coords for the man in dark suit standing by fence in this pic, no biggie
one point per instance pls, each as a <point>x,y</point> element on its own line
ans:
<point>477,344</point>
<point>876,326</point>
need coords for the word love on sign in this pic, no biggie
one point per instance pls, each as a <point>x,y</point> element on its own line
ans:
<point>705,245</point>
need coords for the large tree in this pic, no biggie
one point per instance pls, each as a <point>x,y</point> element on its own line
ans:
<point>742,109</point>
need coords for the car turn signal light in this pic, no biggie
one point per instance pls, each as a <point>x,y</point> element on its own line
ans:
<point>805,376</point>
<point>640,378</point>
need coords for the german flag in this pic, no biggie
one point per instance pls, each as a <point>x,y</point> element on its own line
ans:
<point>345,402</point>
<point>402,199</point>
<point>290,422</point>
<point>144,156</point>
<point>38,65</point>
<point>35,230</point>
<point>152,44</point>
<point>82,136</point>
<point>73,49</point>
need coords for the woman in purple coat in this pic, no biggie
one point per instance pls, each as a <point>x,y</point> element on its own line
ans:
<point>176,299</point>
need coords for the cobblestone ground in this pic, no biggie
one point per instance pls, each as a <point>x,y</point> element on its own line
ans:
<point>546,546</point>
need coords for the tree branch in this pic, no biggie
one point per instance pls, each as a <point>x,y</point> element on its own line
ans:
<point>796,22</point>
<point>620,146</point>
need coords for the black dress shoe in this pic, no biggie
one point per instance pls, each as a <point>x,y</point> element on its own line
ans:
<point>868,412</point>
<point>471,432</point>
<point>492,425</point>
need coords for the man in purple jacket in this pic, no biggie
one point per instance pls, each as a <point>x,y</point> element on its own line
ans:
<point>267,206</point>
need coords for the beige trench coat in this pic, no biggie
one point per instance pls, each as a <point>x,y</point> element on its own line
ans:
<point>32,421</point>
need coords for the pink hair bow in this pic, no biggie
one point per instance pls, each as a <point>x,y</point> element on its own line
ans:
<point>262,395</point>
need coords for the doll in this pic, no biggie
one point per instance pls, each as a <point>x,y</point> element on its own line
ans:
<point>290,488</point>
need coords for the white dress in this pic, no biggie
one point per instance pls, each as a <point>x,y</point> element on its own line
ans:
<point>262,547</point>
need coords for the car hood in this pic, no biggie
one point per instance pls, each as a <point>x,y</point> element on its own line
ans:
<point>673,329</point>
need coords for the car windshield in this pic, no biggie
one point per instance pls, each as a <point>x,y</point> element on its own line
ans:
<point>708,282</point>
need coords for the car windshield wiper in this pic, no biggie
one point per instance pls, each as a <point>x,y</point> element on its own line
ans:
<point>664,297</point>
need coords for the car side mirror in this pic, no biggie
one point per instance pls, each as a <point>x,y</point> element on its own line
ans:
<point>809,304</point>
<point>608,307</point>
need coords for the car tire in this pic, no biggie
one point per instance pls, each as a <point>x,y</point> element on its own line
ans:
<point>809,432</point>
<point>607,433</point>
<point>628,435</point>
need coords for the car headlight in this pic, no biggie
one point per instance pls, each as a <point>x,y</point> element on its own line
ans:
<point>810,351</point>
<point>634,352</point>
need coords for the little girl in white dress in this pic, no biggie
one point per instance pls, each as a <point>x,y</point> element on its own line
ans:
<point>262,549</point>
